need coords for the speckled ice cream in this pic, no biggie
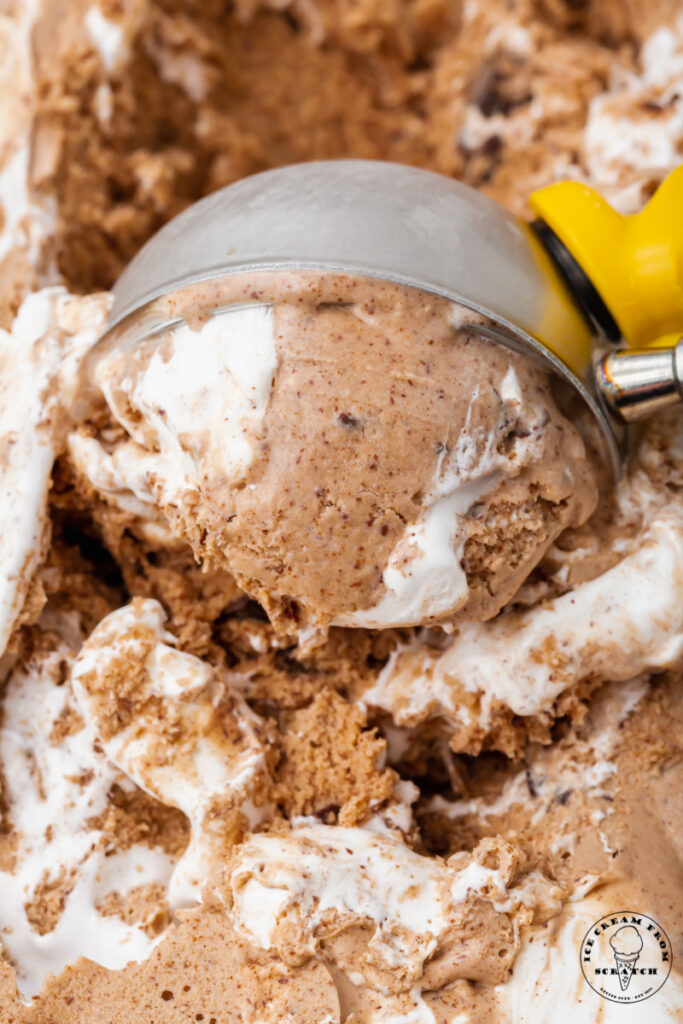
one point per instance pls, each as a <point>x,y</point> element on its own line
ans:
<point>199,818</point>
<point>350,449</point>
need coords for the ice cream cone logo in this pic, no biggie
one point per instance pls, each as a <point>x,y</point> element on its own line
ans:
<point>626,946</point>
<point>626,956</point>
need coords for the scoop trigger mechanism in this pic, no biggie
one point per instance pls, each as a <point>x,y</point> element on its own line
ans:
<point>634,262</point>
<point>626,272</point>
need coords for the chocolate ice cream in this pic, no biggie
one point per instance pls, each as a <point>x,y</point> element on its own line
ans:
<point>350,449</point>
<point>203,816</point>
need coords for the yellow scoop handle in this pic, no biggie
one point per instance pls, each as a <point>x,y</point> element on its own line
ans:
<point>634,262</point>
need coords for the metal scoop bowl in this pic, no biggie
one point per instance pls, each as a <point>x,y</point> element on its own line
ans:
<point>426,231</point>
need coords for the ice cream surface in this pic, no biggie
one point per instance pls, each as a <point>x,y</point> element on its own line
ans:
<point>204,815</point>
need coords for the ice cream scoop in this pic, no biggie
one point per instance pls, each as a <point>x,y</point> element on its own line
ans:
<point>548,288</point>
<point>335,381</point>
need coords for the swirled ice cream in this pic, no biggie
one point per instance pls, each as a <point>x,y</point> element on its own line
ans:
<point>352,450</point>
<point>205,816</point>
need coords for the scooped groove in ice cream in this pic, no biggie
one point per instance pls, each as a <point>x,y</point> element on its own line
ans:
<point>351,449</point>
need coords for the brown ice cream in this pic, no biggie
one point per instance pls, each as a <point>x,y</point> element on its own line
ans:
<point>390,466</point>
<point>202,819</point>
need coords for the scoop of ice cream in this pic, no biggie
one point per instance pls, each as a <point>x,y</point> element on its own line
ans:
<point>352,450</point>
<point>626,941</point>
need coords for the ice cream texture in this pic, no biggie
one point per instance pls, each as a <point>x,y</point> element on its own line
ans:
<point>229,792</point>
<point>378,463</point>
